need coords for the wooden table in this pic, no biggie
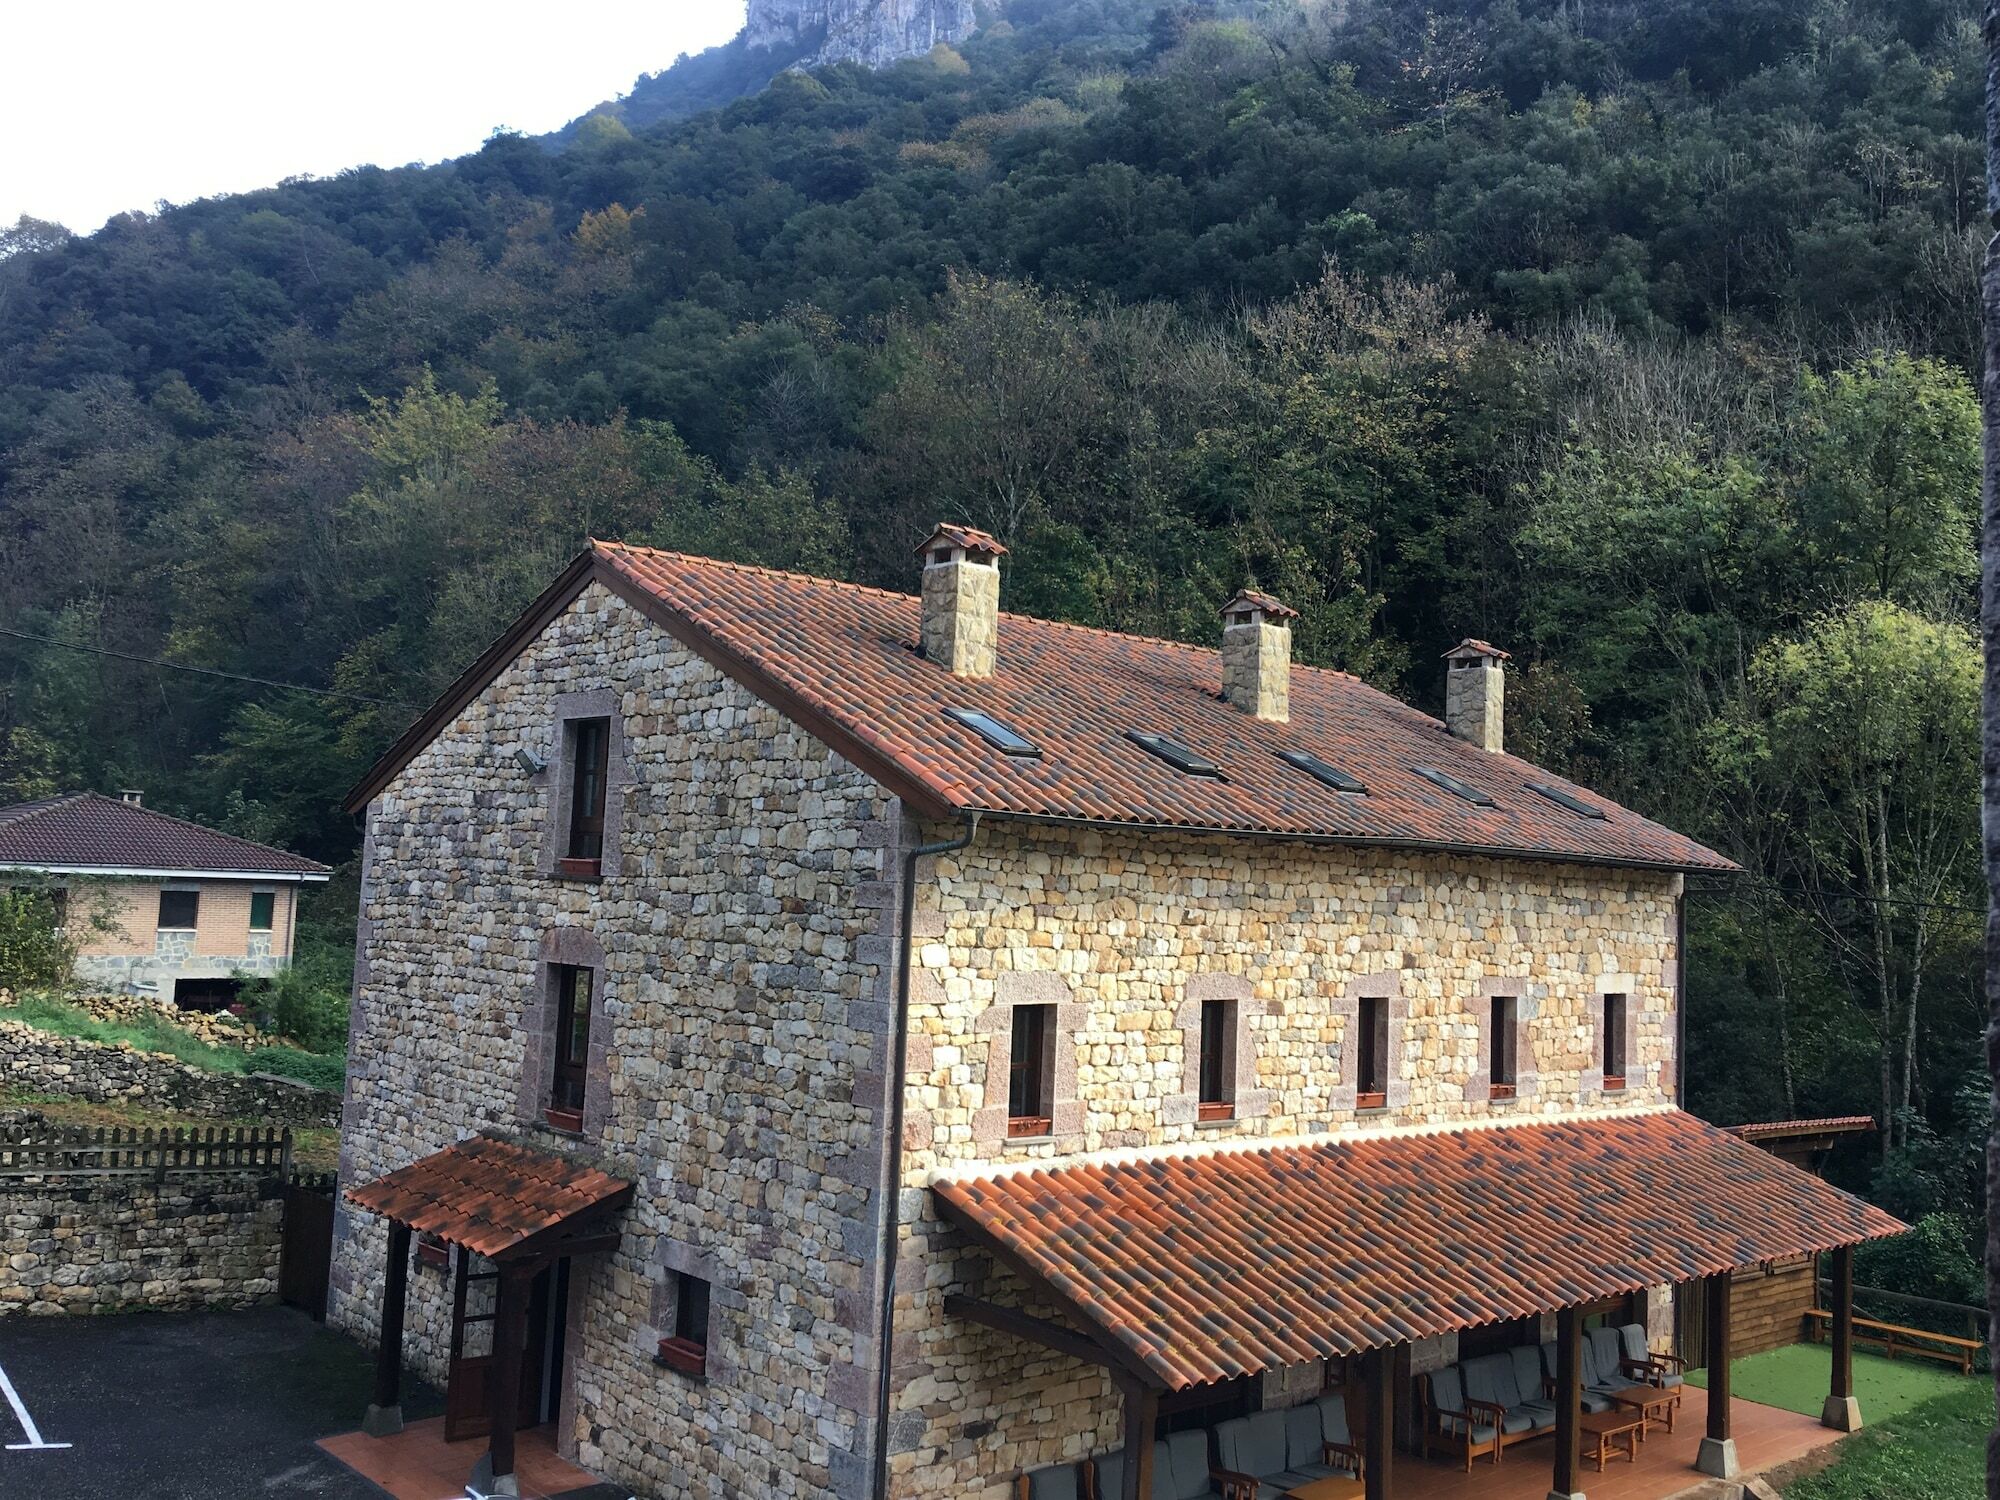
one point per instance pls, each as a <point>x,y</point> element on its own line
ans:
<point>1650,1402</point>
<point>1333,1487</point>
<point>1602,1429</point>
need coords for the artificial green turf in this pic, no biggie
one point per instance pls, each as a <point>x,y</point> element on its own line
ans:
<point>1797,1378</point>
<point>1936,1451</point>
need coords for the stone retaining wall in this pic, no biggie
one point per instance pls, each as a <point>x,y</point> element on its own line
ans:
<point>46,1063</point>
<point>115,1244</point>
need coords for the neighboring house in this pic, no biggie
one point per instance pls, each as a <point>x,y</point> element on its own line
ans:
<point>1214,1027</point>
<point>157,905</point>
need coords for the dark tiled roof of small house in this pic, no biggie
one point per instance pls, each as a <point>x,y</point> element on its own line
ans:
<point>1208,1266</point>
<point>846,662</point>
<point>87,831</point>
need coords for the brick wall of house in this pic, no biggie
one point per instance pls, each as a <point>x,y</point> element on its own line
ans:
<point>1117,930</point>
<point>743,1005</point>
<point>125,949</point>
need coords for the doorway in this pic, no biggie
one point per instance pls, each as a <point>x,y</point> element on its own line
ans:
<point>474,1314</point>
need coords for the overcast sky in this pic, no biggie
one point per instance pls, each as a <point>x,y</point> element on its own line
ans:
<point>108,105</point>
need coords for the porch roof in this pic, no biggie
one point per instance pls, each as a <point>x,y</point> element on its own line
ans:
<point>495,1197</point>
<point>1208,1266</point>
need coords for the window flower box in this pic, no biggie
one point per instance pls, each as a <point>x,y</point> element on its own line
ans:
<point>1211,1110</point>
<point>1024,1127</point>
<point>570,1121</point>
<point>1502,1091</point>
<point>580,869</point>
<point>684,1355</point>
<point>1364,1102</point>
<point>433,1252</point>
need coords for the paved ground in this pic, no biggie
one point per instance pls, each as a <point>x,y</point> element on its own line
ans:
<point>173,1406</point>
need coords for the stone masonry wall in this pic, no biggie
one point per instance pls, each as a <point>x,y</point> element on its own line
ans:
<point>44,1062</point>
<point>743,956</point>
<point>111,1245</point>
<point>1119,931</point>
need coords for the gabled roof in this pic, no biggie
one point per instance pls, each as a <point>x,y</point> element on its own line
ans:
<point>845,663</point>
<point>84,832</point>
<point>1203,1267</point>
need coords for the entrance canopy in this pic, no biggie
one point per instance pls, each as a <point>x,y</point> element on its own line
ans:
<point>1204,1267</point>
<point>498,1199</point>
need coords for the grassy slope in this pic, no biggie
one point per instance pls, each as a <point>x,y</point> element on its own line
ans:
<point>1796,1379</point>
<point>1937,1451</point>
<point>150,1034</point>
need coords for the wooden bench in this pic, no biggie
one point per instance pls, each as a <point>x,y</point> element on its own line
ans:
<point>1894,1337</point>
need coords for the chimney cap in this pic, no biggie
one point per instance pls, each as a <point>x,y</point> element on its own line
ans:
<point>971,538</point>
<point>132,796</point>
<point>1470,649</point>
<point>1247,600</point>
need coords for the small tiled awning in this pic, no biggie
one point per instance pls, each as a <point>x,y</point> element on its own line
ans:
<point>495,1198</point>
<point>1774,1130</point>
<point>1208,1266</point>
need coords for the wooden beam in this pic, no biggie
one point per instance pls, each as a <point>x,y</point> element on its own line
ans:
<point>1142,1421</point>
<point>1026,1326</point>
<point>510,1337</point>
<point>1379,1463</point>
<point>1569,1401</point>
<point>1843,1322</point>
<point>395,1295</point>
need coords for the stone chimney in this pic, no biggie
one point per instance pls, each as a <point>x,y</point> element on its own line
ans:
<point>1475,694</point>
<point>961,614</point>
<point>1257,655</point>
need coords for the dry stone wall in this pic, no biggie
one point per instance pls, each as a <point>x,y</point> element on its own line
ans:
<point>737,1059</point>
<point>45,1062</point>
<point>115,1244</point>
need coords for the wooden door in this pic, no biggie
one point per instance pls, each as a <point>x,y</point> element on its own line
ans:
<point>474,1306</point>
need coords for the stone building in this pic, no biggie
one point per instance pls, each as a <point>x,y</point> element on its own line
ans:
<point>156,905</point>
<point>737,945</point>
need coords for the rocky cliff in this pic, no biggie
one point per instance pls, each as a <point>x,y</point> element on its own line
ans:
<point>873,32</point>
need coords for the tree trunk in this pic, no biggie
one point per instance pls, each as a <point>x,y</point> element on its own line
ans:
<point>1989,620</point>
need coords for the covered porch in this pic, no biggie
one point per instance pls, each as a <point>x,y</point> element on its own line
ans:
<point>1374,1258</point>
<point>520,1213</point>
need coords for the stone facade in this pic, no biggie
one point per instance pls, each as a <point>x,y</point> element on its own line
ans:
<point>742,945</point>
<point>1257,667</point>
<point>113,1245</point>
<point>43,1062</point>
<point>743,994</point>
<point>961,615</point>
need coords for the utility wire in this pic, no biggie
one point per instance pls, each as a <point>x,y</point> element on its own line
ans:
<point>1793,890</point>
<point>177,666</point>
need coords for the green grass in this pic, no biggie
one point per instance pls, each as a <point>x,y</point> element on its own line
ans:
<point>1934,1451</point>
<point>158,1034</point>
<point>1797,1378</point>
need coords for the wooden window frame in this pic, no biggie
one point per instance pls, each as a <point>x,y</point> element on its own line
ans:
<point>1616,1041</point>
<point>1215,1078</point>
<point>1371,1053</point>
<point>569,1077</point>
<point>1503,1078</point>
<point>588,754</point>
<point>1031,1071</point>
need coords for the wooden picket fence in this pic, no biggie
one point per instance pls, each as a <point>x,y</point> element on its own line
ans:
<point>217,1151</point>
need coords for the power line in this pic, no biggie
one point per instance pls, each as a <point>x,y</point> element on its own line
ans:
<point>177,666</point>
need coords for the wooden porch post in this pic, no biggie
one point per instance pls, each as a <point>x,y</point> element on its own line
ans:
<point>385,1412</point>
<point>1569,1405</point>
<point>510,1337</point>
<point>1142,1420</point>
<point>1380,1445</point>
<point>1718,1450</point>
<point>1843,1411</point>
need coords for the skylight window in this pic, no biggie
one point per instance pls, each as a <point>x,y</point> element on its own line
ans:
<point>1563,799</point>
<point>1002,738</point>
<point>1453,785</point>
<point>1313,766</point>
<point>1174,753</point>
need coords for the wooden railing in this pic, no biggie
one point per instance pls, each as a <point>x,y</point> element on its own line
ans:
<point>81,1152</point>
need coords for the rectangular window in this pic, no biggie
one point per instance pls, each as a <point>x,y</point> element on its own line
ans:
<point>1371,1054</point>
<point>1218,1090</point>
<point>263,904</point>
<point>1031,1075</point>
<point>1503,1041</point>
<point>179,910</point>
<point>1614,1041</point>
<point>590,767</point>
<point>686,1349</point>
<point>573,1006</point>
<point>58,900</point>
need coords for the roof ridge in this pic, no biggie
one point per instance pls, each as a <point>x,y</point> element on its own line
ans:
<point>759,570</point>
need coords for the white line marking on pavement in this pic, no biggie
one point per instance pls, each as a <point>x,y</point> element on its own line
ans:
<point>27,1422</point>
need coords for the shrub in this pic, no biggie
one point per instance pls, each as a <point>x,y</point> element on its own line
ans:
<point>306,1003</point>
<point>35,952</point>
<point>318,1069</point>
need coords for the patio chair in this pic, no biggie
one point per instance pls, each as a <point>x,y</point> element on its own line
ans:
<point>1515,1388</point>
<point>1268,1453</point>
<point>1597,1391</point>
<point>1056,1482</point>
<point>1317,1440</point>
<point>1180,1471</point>
<point>1662,1370</point>
<point>1457,1421</point>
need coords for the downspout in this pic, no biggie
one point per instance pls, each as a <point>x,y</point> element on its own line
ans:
<point>1681,996</point>
<point>892,1177</point>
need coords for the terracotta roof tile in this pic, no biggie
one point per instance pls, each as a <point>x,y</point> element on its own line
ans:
<point>89,831</point>
<point>971,538</point>
<point>849,657</point>
<point>1833,1125</point>
<point>490,1195</point>
<point>1206,1267</point>
<point>1270,604</point>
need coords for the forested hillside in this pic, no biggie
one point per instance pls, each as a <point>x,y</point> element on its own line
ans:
<point>1634,336</point>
